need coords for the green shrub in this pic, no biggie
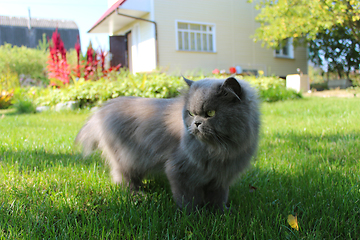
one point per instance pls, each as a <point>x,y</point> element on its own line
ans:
<point>263,83</point>
<point>8,79</point>
<point>24,106</point>
<point>153,85</point>
<point>23,60</point>
<point>278,94</point>
<point>97,92</point>
<point>272,89</point>
<point>23,100</point>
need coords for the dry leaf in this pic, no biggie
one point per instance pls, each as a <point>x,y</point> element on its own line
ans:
<point>293,222</point>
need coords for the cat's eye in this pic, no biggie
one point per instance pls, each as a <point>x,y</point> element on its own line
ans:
<point>210,113</point>
<point>190,113</point>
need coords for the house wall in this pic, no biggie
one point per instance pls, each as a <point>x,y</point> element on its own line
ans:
<point>143,52</point>
<point>138,5</point>
<point>235,24</point>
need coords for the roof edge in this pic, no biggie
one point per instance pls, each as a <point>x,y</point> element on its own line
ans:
<point>107,13</point>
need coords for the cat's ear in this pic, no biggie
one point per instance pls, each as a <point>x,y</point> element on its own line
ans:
<point>231,85</point>
<point>188,81</point>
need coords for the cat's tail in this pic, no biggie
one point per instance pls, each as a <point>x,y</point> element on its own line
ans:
<point>89,136</point>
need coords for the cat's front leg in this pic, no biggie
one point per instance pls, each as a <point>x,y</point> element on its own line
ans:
<point>216,196</point>
<point>185,193</point>
<point>187,197</point>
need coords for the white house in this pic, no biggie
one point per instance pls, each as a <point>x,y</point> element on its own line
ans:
<point>179,36</point>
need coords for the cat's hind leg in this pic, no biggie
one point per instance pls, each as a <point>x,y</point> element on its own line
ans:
<point>122,173</point>
<point>132,179</point>
<point>126,177</point>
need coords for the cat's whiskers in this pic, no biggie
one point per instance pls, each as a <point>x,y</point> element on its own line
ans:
<point>221,139</point>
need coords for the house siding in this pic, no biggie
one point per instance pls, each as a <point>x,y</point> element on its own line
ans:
<point>143,44</point>
<point>235,24</point>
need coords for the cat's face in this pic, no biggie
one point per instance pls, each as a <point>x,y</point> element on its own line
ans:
<point>211,109</point>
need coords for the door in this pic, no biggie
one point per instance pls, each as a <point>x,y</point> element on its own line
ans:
<point>118,50</point>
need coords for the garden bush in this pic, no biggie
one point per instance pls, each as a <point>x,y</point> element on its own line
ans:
<point>8,79</point>
<point>23,100</point>
<point>90,93</point>
<point>272,89</point>
<point>152,85</point>
<point>23,61</point>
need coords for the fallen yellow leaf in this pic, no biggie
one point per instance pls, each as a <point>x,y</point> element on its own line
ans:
<point>293,222</point>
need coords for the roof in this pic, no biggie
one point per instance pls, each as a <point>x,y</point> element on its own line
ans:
<point>108,12</point>
<point>37,22</point>
<point>121,14</point>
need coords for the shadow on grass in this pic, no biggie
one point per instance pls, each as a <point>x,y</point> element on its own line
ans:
<point>324,199</point>
<point>42,159</point>
<point>114,213</point>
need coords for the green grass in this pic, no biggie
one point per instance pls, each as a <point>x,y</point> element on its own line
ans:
<point>307,164</point>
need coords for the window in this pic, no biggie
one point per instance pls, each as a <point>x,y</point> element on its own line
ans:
<point>192,36</point>
<point>286,51</point>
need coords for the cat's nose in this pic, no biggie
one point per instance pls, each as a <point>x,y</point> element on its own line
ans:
<point>197,124</point>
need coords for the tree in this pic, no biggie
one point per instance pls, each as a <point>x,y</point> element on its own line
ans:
<point>304,19</point>
<point>337,48</point>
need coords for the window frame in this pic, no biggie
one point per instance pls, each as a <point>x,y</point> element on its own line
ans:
<point>208,32</point>
<point>290,49</point>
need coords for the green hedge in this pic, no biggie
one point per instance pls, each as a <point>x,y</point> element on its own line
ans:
<point>15,61</point>
<point>272,89</point>
<point>22,60</point>
<point>90,93</point>
<point>153,85</point>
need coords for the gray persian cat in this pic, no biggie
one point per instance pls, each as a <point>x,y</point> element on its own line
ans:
<point>202,140</point>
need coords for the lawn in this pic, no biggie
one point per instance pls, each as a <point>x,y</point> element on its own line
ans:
<point>307,165</point>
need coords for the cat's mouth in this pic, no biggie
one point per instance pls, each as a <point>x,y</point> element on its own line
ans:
<point>210,137</point>
<point>200,133</point>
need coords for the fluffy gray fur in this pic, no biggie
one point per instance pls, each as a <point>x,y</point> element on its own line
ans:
<point>202,140</point>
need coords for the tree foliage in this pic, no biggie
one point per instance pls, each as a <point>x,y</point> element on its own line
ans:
<point>304,19</point>
<point>337,49</point>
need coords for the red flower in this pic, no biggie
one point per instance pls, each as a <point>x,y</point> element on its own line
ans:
<point>215,71</point>
<point>57,66</point>
<point>232,70</point>
<point>78,49</point>
<point>102,56</point>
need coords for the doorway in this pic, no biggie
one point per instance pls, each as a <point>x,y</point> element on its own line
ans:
<point>120,49</point>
